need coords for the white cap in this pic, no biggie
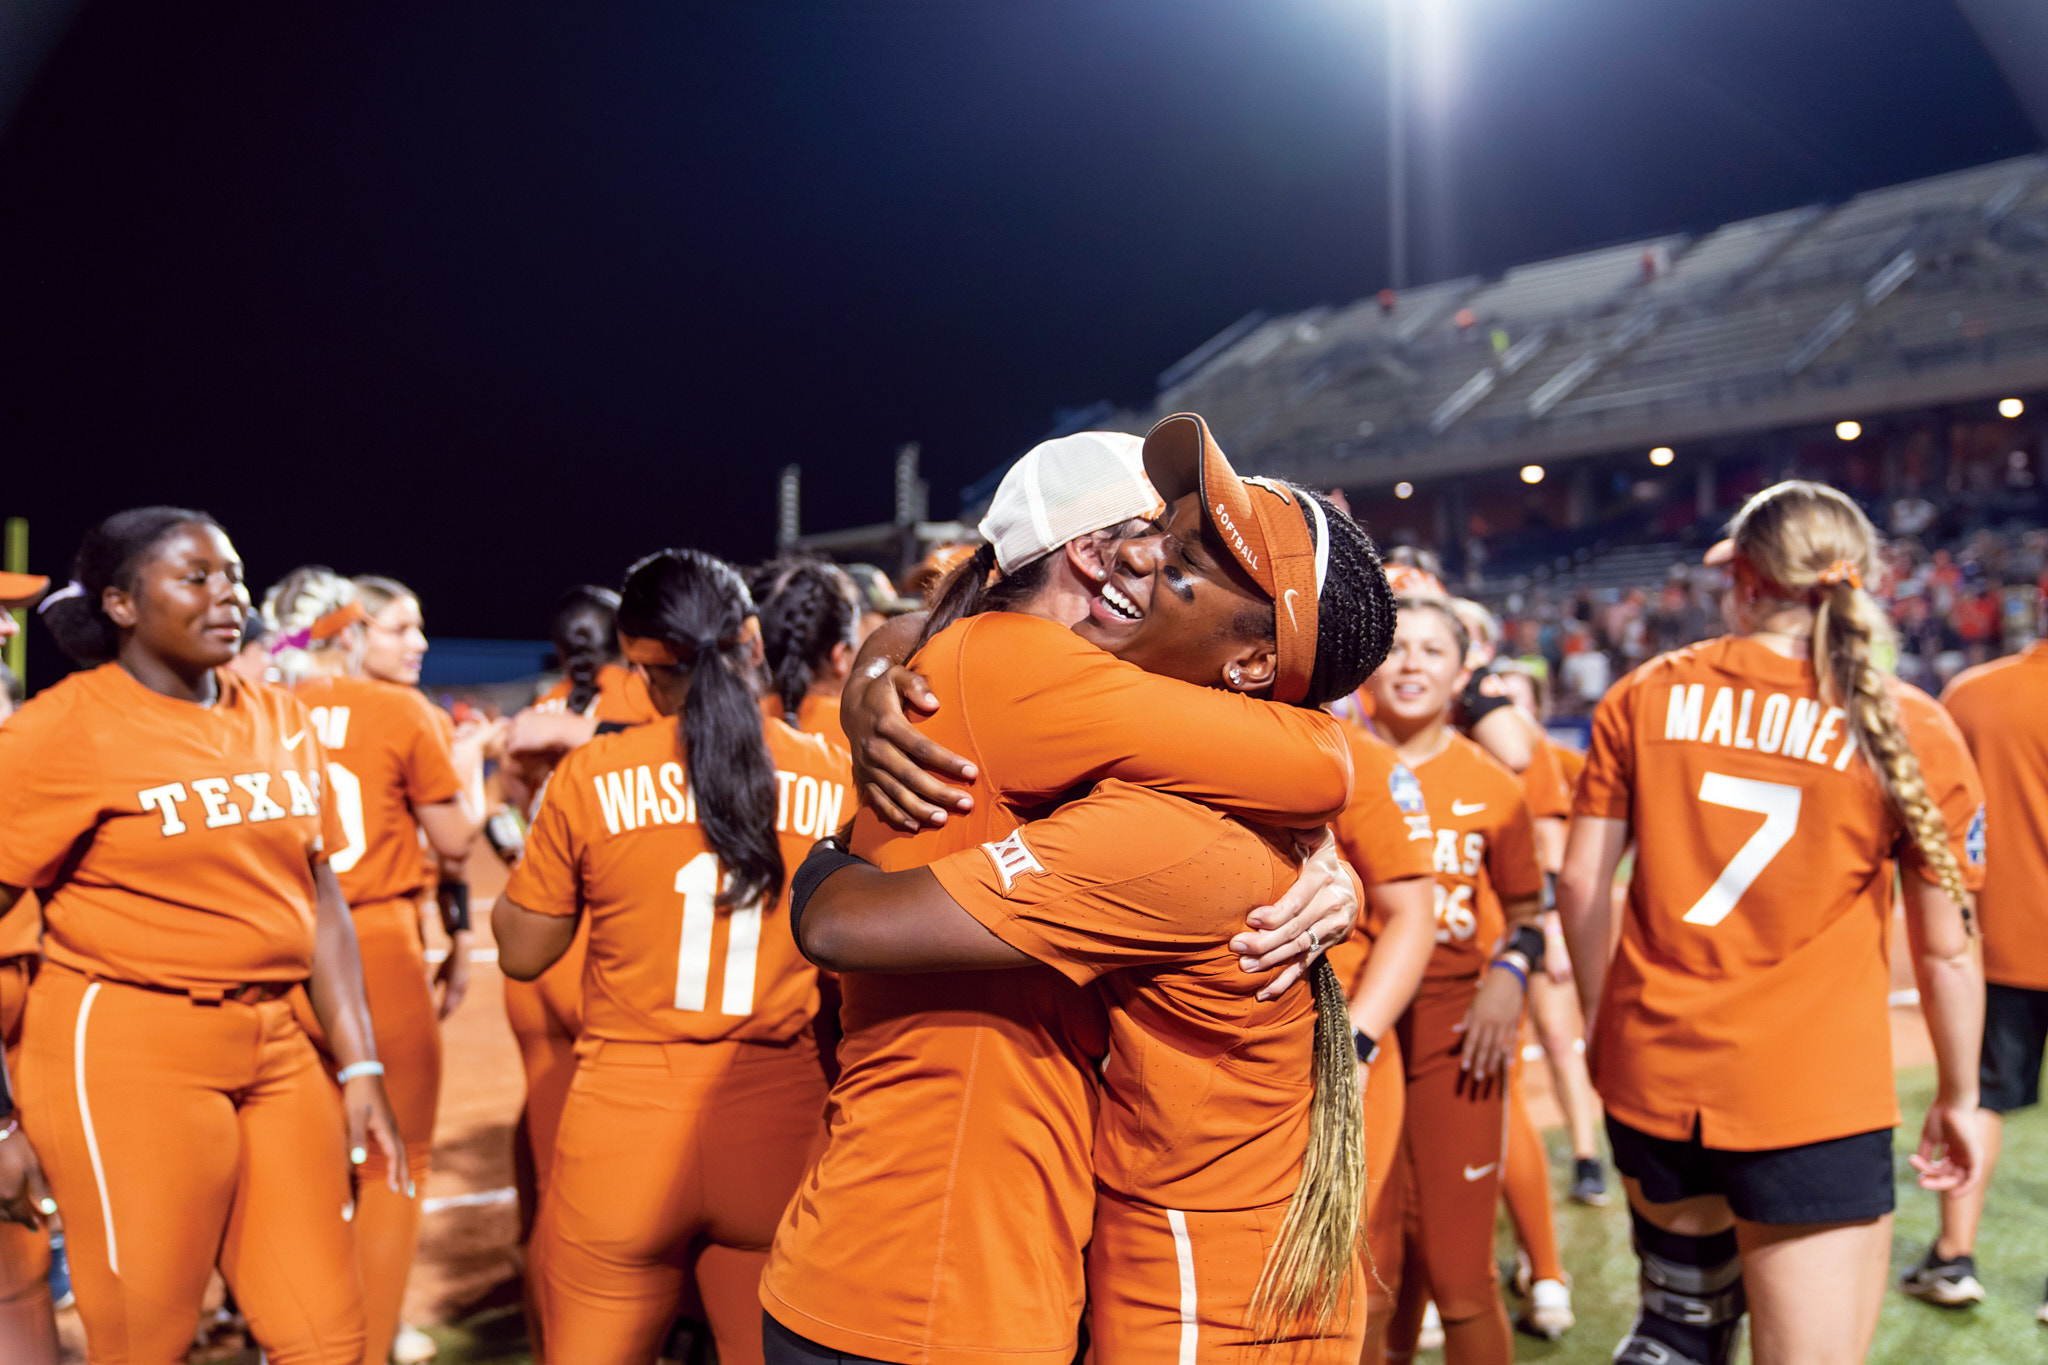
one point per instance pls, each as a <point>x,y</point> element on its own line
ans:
<point>1066,488</point>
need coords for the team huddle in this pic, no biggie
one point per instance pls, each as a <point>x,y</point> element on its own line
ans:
<point>1123,955</point>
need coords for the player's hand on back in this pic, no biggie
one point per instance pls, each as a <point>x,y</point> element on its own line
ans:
<point>1314,914</point>
<point>904,777</point>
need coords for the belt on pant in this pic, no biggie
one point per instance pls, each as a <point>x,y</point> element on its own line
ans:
<point>237,992</point>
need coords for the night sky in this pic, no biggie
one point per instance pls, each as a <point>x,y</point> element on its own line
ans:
<point>496,297</point>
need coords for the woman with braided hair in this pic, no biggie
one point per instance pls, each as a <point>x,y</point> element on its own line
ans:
<point>1771,780</point>
<point>810,630</point>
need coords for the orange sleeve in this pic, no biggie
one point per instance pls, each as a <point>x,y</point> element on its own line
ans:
<point>1543,783</point>
<point>49,791</point>
<point>1062,713</point>
<point>428,759</point>
<point>1952,782</point>
<point>333,836</point>
<point>1511,856</point>
<point>548,879</point>
<point>1607,786</point>
<point>1385,832</point>
<point>1125,877</point>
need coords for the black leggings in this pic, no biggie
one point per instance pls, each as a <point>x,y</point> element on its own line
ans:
<point>784,1347</point>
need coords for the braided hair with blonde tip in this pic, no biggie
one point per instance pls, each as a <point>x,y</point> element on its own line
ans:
<point>1807,542</point>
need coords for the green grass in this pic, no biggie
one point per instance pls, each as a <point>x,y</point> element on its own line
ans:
<point>2012,1258</point>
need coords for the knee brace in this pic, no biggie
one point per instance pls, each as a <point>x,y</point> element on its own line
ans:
<point>1692,1299</point>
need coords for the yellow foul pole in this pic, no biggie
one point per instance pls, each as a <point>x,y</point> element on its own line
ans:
<point>15,553</point>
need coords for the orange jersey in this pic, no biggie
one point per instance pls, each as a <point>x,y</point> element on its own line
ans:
<point>617,838</point>
<point>621,697</point>
<point>21,928</point>
<point>1570,763</point>
<point>1484,853</point>
<point>173,843</point>
<point>1384,834</point>
<point>959,1090</point>
<point>387,755</point>
<point>1997,706</point>
<point>1543,781</point>
<point>815,715</point>
<point>1749,991</point>
<point>1206,1090</point>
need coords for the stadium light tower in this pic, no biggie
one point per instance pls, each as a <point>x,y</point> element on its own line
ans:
<point>1397,147</point>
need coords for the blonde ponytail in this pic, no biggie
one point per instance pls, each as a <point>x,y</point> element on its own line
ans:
<point>1306,1285</point>
<point>293,606</point>
<point>1807,542</point>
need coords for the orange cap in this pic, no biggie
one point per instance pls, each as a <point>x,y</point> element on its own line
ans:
<point>19,589</point>
<point>1266,527</point>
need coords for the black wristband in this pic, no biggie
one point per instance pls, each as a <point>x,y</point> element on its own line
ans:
<point>1528,940</point>
<point>826,857</point>
<point>1368,1048</point>
<point>454,899</point>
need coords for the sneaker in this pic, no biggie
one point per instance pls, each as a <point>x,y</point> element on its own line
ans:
<point>2041,1313</point>
<point>1951,1283</point>
<point>412,1346</point>
<point>1549,1314</point>
<point>61,1296</point>
<point>1431,1338</point>
<point>1589,1182</point>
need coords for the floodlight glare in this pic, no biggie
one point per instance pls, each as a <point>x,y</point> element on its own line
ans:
<point>1532,473</point>
<point>1848,431</point>
<point>2010,407</point>
<point>1404,490</point>
<point>1662,456</point>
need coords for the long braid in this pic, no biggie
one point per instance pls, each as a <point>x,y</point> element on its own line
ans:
<point>1807,542</point>
<point>807,608</point>
<point>1843,637</point>
<point>1308,1274</point>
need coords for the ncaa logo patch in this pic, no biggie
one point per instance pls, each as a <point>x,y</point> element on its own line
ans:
<point>1406,791</point>
<point>1973,843</point>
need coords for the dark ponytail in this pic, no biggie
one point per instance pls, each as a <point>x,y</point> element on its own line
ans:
<point>698,606</point>
<point>975,587</point>
<point>108,558</point>
<point>586,600</point>
<point>1355,619</point>
<point>808,607</point>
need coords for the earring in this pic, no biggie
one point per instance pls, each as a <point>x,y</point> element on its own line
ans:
<point>1236,676</point>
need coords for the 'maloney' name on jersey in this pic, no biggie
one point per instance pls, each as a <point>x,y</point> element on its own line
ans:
<point>644,796</point>
<point>1793,727</point>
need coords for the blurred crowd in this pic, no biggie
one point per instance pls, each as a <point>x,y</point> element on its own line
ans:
<point>1952,606</point>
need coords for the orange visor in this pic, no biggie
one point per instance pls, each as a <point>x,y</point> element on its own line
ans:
<point>19,589</point>
<point>337,621</point>
<point>1266,527</point>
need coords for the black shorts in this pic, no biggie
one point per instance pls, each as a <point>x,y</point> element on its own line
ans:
<point>2015,1029</point>
<point>1842,1180</point>
<point>784,1347</point>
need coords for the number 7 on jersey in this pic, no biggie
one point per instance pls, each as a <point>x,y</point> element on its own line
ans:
<point>1779,805</point>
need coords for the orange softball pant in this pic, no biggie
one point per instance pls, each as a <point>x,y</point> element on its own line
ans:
<point>1385,1087</point>
<point>176,1136</point>
<point>673,1161</point>
<point>28,1333</point>
<point>407,1028</point>
<point>546,1014</point>
<point>1525,1185</point>
<point>1167,1286</point>
<point>1435,1237</point>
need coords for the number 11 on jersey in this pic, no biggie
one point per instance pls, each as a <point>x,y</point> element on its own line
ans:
<point>697,882</point>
